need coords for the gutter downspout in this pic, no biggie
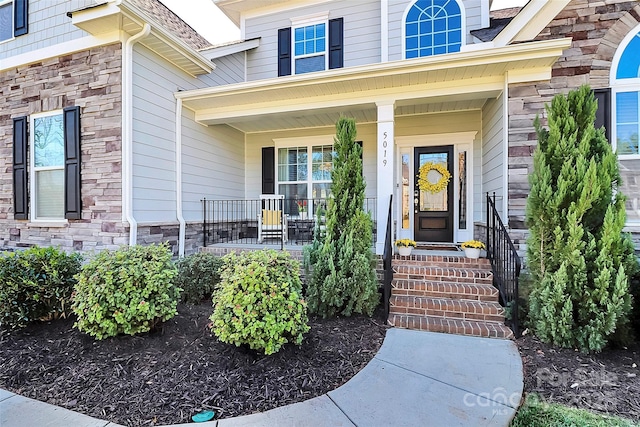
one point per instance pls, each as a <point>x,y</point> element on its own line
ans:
<point>127,131</point>
<point>181,233</point>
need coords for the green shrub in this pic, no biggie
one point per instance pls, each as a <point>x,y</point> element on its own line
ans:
<point>36,283</point>
<point>259,301</point>
<point>198,276</point>
<point>126,291</point>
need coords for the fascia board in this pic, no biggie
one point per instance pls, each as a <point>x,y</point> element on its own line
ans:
<point>530,21</point>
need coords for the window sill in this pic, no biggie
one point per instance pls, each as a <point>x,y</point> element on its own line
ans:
<point>48,224</point>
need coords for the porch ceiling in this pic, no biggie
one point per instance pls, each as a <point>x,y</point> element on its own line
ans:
<point>446,83</point>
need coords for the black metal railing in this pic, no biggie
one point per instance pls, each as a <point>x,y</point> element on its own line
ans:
<point>236,221</point>
<point>505,263</point>
<point>387,257</point>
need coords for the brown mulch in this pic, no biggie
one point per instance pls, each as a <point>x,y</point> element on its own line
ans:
<point>607,382</point>
<point>167,376</point>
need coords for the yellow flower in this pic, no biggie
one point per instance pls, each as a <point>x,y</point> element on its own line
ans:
<point>473,244</point>
<point>405,242</point>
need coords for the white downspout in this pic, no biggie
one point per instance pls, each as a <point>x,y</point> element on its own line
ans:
<point>181,233</point>
<point>127,132</point>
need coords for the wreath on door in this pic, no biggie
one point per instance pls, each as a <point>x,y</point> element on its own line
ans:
<point>423,181</point>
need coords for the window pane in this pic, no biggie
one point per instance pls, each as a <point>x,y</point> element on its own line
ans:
<point>49,188</point>
<point>6,21</point>
<point>406,195</point>
<point>437,23</point>
<point>299,34</point>
<point>321,191</point>
<point>310,64</point>
<point>292,164</point>
<point>627,122</point>
<point>293,191</point>
<point>462,200</point>
<point>630,174</point>
<point>322,162</point>
<point>48,141</point>
<point>629,65</point>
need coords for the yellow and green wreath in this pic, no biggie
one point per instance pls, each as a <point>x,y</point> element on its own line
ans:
<point>423,181</point>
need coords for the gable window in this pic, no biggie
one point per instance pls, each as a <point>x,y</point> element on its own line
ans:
<point>51,188</point>
<point>311,44</point>
<point>625,85</point>
<point>432,27</point>
<point>13,18</point>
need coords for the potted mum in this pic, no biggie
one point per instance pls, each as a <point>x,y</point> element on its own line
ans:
<point>405,246</point>
<point>302,208</point>
<point>472,248</point>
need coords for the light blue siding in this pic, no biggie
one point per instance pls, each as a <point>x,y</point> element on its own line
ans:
<point>48,25</point>
<point>492,149</point>
<point>361,34</point>
<point>217,155</point>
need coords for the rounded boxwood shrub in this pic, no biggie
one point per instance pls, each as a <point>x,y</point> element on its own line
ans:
<point>36,283</point>
<point>126,291</point>
<point>198,276</point>
<point>259,302</point>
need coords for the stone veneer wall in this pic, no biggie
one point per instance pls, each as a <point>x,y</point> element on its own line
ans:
<point>596,27</point>
<point>90,79</point>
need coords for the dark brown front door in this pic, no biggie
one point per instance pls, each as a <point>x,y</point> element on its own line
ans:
<point>433,211</point>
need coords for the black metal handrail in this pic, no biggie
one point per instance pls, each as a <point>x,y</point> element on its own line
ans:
<point>505,263</point>
<point>387,257</point>
<point>236,221</point>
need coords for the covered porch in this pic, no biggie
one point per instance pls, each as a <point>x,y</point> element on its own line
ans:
<point>450,111</point>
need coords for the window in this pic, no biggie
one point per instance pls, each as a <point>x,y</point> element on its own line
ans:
<point>433,27</point>
<point>6,20</point>
<point>302,176</point>
<point>49,181</point>
<point>47,173</point>
<point>13,18</point>
<point>625,83</point>
<point>311,44</point>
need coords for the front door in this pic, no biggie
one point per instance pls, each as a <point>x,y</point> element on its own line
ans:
<point>433,194</point>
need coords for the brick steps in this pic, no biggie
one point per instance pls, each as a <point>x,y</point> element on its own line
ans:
<point>449,294</point>
<point>451,326</point>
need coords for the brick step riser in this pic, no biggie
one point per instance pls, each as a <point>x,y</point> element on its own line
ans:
<point>446,314</point>
<point>444,278</point>
<point>451,326</point>
<point>465,291</point>
<point>433,294</point>
<point>450,305</point>
<point>473,264</point>
<point>424,270</point>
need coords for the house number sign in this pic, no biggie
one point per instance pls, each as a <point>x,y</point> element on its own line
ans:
<point>384,147</point>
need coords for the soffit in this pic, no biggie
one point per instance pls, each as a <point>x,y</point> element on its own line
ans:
<point>129,19</point>
<point>424,82</point>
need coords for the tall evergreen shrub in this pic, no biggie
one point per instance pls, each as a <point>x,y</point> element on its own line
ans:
<point>578,256</point>
<point>339,264</point>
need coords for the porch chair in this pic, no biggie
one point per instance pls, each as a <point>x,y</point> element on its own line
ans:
<point>272,222</point>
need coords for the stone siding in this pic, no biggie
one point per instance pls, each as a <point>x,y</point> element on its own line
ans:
<point>596,27</point>
<point>89,79</point>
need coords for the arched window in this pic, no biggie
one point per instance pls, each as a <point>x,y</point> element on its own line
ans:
<point>433,27</point>
<point>625,82</point>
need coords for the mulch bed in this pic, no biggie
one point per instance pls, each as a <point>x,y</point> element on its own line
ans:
<point>606,382</point>
<point>169,375</point>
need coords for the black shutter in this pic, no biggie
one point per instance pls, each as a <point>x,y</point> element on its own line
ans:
<point>603,113</point>
<point>268,170</point>
<point>336,43</point>
<point>284,52</point>
<point>72,199</point>
<point>20,17</point>
<point>20,199</point>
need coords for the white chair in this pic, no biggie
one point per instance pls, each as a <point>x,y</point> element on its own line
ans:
<point>272,222</point>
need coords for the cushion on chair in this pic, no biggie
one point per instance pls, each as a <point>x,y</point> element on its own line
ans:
<point>270,217</point>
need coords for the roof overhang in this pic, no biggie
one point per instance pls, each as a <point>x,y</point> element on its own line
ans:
<point>530,21</point>
<point>234,8</point>
<point>230,48</point>
<point>125,17</point>
<point>463,75</point>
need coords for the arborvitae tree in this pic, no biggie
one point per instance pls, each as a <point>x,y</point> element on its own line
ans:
<point>339,264</point>
<point>576,252</point>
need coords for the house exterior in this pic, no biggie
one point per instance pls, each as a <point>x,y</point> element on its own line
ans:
<point>118,119</point>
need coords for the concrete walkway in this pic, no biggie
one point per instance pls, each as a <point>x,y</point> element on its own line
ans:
<point>416,379</point>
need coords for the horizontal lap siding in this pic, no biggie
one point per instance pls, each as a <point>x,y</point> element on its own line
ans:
<point>396,14</point>
<point>492,148</point>
<point>48,25</point>
<point>361,34</point>
<point>229,69</point>
<point>213,164</point>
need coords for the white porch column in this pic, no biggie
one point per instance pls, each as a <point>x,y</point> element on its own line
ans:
<point>385,178</point>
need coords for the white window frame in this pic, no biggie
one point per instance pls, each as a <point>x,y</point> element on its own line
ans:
<point>305,21</point>
<point>33,169</point>
<point>622,85</point>
<point>308,142</point>
<point>3,3</point>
